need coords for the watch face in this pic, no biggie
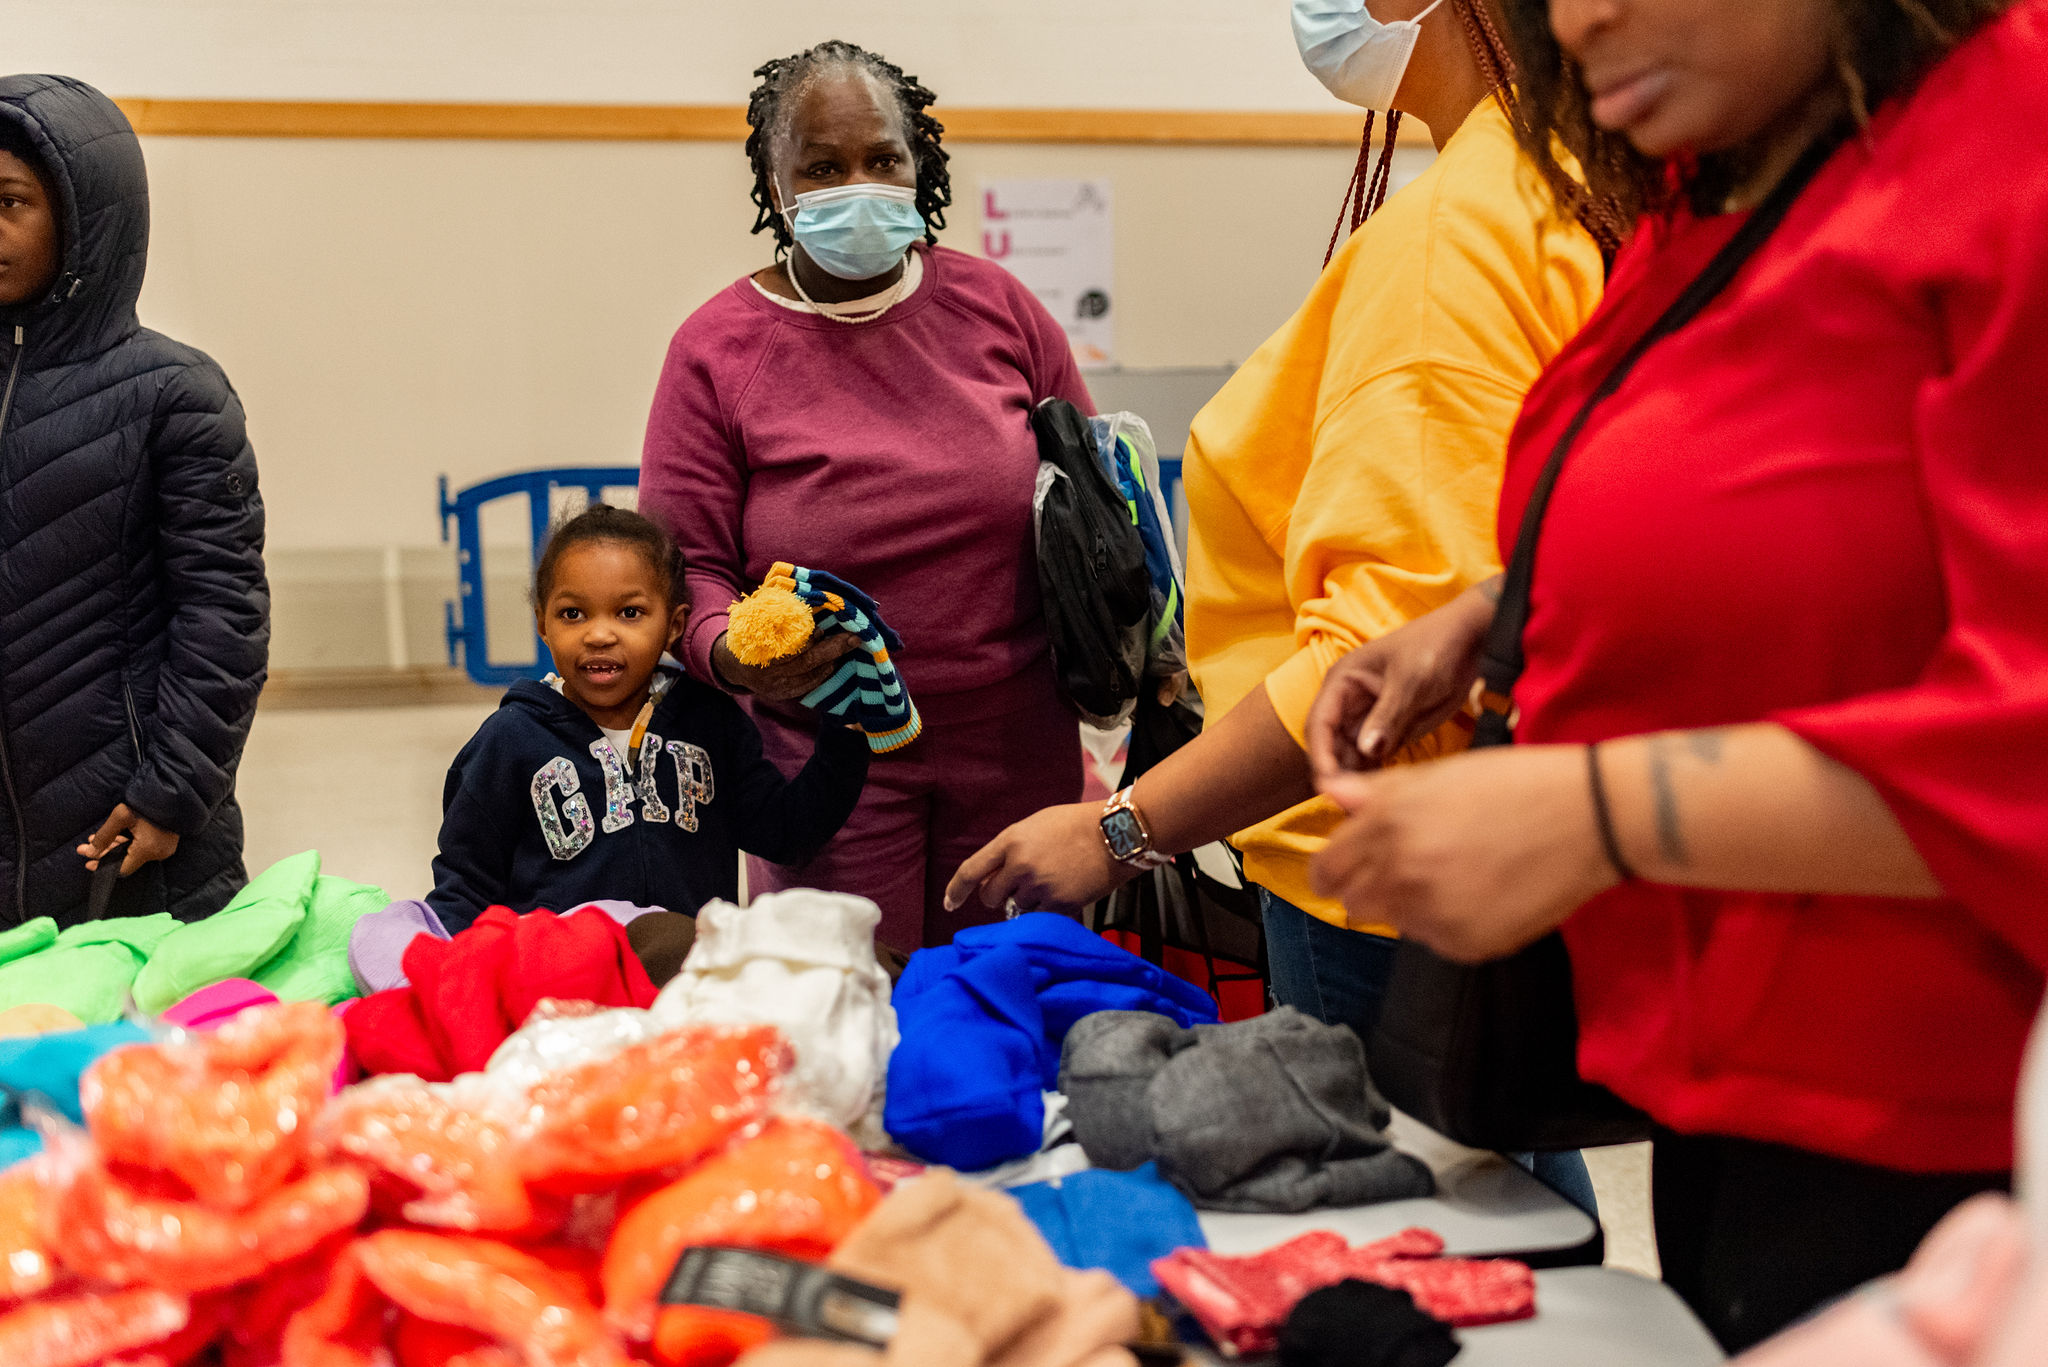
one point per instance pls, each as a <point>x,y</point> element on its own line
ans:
<point>1125,836</point>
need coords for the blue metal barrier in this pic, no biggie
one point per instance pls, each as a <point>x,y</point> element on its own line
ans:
<point>468,628</point>
<point>469,646</point>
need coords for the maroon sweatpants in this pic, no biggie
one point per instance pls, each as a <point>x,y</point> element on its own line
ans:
<point>986,758</point>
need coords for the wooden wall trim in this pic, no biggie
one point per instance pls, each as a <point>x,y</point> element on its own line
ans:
<point>722,123</point>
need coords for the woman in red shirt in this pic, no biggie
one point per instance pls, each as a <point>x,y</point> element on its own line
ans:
<point>1788,611</point>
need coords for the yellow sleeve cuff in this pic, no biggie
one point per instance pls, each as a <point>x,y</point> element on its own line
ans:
<point>1292,690</point>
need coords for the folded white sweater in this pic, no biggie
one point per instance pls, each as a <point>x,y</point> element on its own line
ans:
<point>804,962</point>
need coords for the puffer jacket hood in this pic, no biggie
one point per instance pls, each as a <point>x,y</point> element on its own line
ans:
<point>134,615</point>
<point>94,164</point>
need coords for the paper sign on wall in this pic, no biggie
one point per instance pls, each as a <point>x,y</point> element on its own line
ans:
<point>1055,236</point>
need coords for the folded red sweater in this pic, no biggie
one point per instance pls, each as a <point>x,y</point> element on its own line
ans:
<point>467,994</point>
<point>1242,1301</point>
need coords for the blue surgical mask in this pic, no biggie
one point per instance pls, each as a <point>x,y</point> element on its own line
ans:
<point>1357,58</point>
<point>857,232</point>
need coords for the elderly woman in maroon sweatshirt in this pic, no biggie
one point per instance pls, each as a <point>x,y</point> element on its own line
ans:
<point>862,406</point>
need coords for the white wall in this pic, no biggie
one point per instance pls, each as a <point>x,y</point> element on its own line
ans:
<point>1087,54</point>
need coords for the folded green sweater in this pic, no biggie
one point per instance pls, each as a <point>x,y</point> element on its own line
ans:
<point>235,941</point>
<point>89,969</point>
<point>288,930</point>
<point>313,966</point>
<point>28,938</point>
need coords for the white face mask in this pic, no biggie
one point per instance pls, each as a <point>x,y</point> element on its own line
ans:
<point>1359,59</point>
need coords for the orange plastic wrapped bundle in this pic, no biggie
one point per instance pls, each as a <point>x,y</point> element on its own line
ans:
<point>25,1266</point>
<point>687,1336</point>
<point>424,1343</point>
<point>228,1113</point>
<point>666,1102</point>
<point>540,1316</point>
<point>100,1225</point>
<point>798,1187</point>
<point>449,1141</point>
<point>209,1319</point>
<point>260,1310</point>
<point>77,1331</point>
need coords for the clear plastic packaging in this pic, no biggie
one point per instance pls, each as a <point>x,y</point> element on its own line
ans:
<point>128,1231</point>
<point>667,1101</point>
<point>450,1141</point>
<point>227,1112</point>
<point>26,1268</point>
<point>553,1040</point>
<point>798,1186</point>
<point>77,1331</point>
<point>499,1293</point>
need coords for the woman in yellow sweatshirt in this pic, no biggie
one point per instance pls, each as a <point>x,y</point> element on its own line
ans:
<point>1341,484</point>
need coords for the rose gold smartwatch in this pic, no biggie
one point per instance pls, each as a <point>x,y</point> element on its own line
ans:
<point>1127,837</point>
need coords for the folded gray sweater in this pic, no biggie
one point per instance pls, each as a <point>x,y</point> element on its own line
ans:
<point>1270,1114</point>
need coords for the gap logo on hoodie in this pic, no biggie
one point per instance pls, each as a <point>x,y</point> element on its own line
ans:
<point>541,809</point>
<point>564,812</point>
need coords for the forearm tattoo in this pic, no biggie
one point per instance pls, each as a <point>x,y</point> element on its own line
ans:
<point>1491,588</point>
<point>1703,745</point>
<point>1670,840</point>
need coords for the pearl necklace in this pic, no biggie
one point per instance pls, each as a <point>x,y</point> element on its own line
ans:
<point>895,295</point>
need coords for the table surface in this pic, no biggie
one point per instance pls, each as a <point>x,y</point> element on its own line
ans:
<point>1595,1317</point>
<point>1485,1206</point>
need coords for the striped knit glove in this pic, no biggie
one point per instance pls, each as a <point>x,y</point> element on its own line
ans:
<point>866,690</point>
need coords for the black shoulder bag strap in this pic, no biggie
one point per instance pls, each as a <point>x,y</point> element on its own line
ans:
<point>1500,658</point>
<point>100,891</point>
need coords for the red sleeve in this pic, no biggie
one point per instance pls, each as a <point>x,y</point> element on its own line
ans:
<point>693,481</point>
<point>1961,755</point>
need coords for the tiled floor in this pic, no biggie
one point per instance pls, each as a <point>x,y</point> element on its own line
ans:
<point>363,786</point>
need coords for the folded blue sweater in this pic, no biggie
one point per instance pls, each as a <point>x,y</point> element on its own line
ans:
<point>1121,1222</point>
<point>982,1021</point>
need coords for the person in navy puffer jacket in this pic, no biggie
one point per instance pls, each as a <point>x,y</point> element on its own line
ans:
<point>134,614</point>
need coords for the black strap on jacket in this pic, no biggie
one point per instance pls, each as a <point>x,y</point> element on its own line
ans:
<point>1500,659</point>
<point>100,892</point>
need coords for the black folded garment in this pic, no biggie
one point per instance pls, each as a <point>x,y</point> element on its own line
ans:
<point>1270,1114</point>
<point>1363,1324</point>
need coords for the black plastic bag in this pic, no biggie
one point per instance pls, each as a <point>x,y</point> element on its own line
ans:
<point>1091,571</point>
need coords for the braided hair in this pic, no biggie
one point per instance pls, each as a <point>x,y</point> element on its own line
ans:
<point>1880,49</point>
<point>601,522</point>
<point>1601,217</point>
<point>773,104</point>
<point>1604,220</point>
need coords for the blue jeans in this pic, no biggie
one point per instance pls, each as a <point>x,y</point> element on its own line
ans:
<point>1340,977</point>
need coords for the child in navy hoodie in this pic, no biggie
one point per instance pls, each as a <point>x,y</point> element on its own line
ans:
<point>621,777</point>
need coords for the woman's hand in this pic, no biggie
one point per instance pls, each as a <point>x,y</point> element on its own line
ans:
<point>1474,856</point>
<point>785,680</point>
<point>147,841</point>
<point>1053,860</point>
<point>1399,688</point>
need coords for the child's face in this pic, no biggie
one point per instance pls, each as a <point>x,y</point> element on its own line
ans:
<point>606,621</point>
<point>28,233</point>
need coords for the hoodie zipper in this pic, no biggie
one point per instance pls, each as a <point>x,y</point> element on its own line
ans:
<point>6,760</point>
